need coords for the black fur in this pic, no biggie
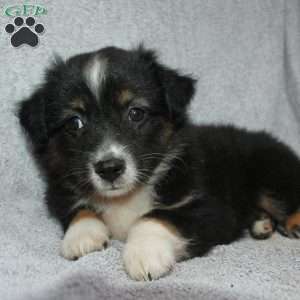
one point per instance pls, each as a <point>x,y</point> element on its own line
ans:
<point>228,172</point>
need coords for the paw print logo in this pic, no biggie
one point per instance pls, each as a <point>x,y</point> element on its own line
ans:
<point>24,33</point>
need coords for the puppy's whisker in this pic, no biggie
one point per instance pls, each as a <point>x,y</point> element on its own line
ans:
<point>83,185</point>
<point>161,156</point>
<point>78,151</point>
<point>143,170</point>
<point>78,172</point>
<point>143,178</point>
<point>152,153</point>
<point>150,158</point>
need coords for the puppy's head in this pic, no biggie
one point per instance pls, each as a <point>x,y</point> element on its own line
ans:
<point>104,121</point>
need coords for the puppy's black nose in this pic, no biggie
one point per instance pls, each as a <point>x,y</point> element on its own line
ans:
<point>110,169</point>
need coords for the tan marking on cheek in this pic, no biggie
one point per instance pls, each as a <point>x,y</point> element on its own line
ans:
<point>54,158</point>
<point>293,221</point>
<point>84,214</point>
<point>125,96</point>
<point>167,132</point>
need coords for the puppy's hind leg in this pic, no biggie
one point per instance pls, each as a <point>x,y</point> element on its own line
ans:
<point>277,175</point>
<point>288,222</point>
<point>291,226</point>
<point>263,227</point>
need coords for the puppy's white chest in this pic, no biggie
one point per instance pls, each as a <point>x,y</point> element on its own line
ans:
<point>119,217</point>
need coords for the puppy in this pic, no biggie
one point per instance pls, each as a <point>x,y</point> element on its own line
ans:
<point>121,159</point>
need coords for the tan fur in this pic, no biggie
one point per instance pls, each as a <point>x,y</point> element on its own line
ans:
<point>270,205</point>
<point>293,221</point>
<point>54,157</point>
<point>170,227</point>
<point>167,132</point>
<point>125,96</point>
<point>78,103</point>
<point>83,214</point>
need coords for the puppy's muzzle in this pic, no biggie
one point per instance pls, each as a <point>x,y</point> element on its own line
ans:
<point>110,169</point>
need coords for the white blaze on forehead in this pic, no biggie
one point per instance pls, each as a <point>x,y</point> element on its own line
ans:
<point>94,73</point>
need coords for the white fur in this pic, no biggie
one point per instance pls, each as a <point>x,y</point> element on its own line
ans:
<point>185,201</point>
<point>125,182</point>
<point>165,165</point>
<point>94,73</point>
<point>119,217</point>
<point>84,236</point>
<point>262,227</point>
<point>80,203</point>
<point>151,250</point>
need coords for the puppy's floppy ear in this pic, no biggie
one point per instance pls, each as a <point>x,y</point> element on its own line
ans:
<point>31,114</point>
<point>178,91</point>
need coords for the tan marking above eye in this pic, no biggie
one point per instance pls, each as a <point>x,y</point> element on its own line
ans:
<point>78,103</point>
<point>125,96</point>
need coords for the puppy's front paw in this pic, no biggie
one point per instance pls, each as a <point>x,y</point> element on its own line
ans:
<point>151,250</point>
<point>148,259</point>
<point>83,237</point>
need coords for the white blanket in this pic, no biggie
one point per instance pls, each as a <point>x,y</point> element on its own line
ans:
<point>246,55</point>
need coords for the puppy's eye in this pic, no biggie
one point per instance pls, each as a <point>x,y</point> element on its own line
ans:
<point>75,123</point>
<point>136,114</point>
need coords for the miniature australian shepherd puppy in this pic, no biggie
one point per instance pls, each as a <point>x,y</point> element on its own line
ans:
<point>109,130</point>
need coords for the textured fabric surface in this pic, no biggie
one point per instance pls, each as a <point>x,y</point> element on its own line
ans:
<point>246,55</point>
